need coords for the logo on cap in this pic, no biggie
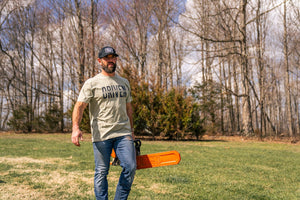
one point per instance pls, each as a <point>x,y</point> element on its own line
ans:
<point>109,50</point>
<point>106,51</point>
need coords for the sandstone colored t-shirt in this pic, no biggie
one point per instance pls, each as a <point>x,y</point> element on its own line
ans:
<point>107,97</point>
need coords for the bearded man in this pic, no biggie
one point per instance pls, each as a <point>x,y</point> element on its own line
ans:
<point>110,110</point>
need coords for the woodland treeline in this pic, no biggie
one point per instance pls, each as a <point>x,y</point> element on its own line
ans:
<point>195,66</point>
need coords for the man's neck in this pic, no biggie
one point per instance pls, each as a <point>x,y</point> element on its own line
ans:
<point>108,74</point>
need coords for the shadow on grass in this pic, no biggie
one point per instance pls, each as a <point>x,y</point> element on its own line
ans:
<point>145,138</point>
<point>216,140</point>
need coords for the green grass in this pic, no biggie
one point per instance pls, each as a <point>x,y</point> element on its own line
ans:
<point>49,166</point>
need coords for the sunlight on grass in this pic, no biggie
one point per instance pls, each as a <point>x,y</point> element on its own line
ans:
<point>51,167</point>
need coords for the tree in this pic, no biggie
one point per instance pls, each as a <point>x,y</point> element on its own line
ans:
<point>80,43</point>
<point>126,16</point>
<point>227,25</point>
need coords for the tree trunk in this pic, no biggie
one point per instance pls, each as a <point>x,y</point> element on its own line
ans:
<point>80,45</point>
<point>93,22</point>
<point>261,71</point>
<point>61,96</point>
<point>247,116</point>
<point>287,75</point>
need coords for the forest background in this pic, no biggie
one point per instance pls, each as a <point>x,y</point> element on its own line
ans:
<point>195,67</point>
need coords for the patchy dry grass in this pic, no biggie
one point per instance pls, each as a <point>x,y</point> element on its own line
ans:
<point>50,167</point>
<point>29,178</point>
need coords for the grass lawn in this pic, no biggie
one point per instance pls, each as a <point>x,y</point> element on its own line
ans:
<point>49,166</point>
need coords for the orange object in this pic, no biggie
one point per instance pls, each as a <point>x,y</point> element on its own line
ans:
<point>113,154</point>
<point>156,159</point>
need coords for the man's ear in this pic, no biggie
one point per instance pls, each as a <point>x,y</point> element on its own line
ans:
<point>99,60</point>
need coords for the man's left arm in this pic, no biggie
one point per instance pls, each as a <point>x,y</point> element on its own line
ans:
<point>130,113</point>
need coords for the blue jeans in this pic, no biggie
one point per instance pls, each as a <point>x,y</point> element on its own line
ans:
<point>125,151</point>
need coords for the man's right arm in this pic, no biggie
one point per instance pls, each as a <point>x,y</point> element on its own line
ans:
<point>76,119</point>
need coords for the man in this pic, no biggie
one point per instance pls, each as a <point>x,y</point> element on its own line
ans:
<point>109,97</point>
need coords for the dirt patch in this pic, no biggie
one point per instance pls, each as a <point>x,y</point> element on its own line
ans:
<point>42,183</point>
<point>285,140</point>
<point>159,188</point>
<point>20,161</point>
<point>19,191</point>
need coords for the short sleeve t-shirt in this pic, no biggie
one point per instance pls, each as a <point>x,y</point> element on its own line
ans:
<point>107,97</point>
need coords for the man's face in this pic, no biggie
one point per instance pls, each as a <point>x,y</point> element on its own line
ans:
<point>108,63</point>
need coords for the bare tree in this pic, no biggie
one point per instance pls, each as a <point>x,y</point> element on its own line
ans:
<point>131,24</point>
<point>93,21</point>
<point>287,72</point>
<point>48,49</point>
<point>164,13</point>
<point>227,25</point>
<point>80,43</point>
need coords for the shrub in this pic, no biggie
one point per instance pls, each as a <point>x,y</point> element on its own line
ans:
<point>20,119</point>
<point>52,119</point>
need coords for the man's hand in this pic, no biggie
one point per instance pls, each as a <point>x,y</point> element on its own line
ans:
<point>76,119</point>
<point>76,134</point>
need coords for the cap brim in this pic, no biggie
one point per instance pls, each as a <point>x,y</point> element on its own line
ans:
<point>102,56</point>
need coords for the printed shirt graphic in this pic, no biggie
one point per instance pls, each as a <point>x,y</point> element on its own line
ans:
<point>107,97</point>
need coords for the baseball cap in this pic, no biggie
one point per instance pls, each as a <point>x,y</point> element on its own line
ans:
<point>107,51</point>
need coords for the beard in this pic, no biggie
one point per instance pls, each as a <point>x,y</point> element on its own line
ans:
<point>110,69</point>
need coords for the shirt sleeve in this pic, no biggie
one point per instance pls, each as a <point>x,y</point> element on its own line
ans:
<point>129,97</point>
<point>86,93</point>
